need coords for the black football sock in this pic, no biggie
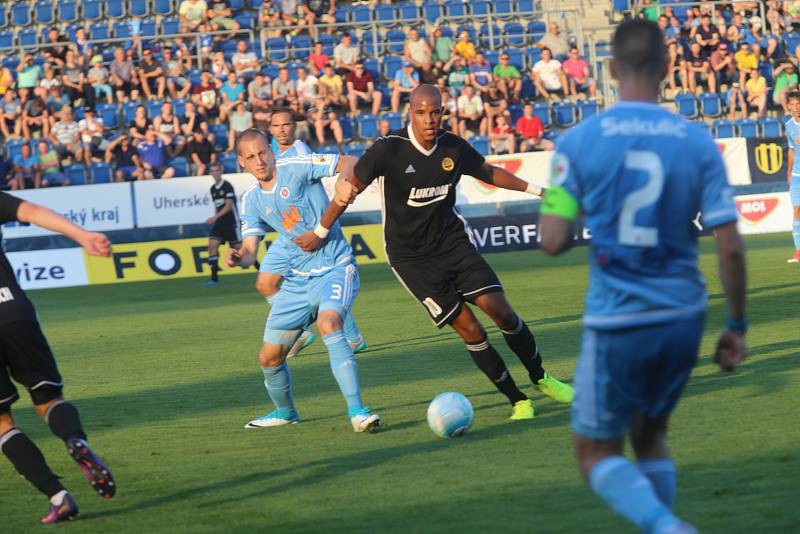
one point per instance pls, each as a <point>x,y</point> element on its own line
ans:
<point>65,422</point>
<point>521,341</point>
<point>489,361</point>
<point>29,462</point>
<point>213,262</point>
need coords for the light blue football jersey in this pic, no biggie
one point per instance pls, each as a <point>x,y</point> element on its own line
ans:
<point>640,174</point>
<point>298,148</point>
<point>792,130</point>
<point>294,206</point>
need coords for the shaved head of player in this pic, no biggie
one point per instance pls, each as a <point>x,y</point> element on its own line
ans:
<point>425,113</point>
<point>255,155</point>
<point>281,126</point>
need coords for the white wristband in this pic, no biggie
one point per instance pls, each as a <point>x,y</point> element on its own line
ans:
<point>321,232</point>
<point>534,189</point>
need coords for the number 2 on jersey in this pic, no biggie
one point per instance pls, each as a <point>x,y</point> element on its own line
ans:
<point>628,232</point>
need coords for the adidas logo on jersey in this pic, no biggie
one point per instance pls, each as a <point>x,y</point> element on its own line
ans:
<point>410,169</point>
<point>419,197</point>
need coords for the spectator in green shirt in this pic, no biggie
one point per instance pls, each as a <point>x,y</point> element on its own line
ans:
<point>50,166</point>
<point>442,47</point>
<point>785,81</point>
<point>508,78</point>
<point>28,76</point>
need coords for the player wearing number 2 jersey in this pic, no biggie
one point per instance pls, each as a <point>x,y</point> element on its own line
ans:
<point>640,174</point>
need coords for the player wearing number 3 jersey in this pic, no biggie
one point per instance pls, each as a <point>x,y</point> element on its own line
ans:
<point>640,174</point>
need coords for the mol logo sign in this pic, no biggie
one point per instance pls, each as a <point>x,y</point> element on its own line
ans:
<point>755,210</point>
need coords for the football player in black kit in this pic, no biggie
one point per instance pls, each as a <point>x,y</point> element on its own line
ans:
<point>225,220</point>
<point>431,248</point>
<point>25,356</point>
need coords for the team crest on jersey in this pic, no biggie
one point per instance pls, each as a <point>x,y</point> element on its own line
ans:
<point>319,159</point>
<point>559,169</point>
<point>284,193</point>
<point>448,164</point>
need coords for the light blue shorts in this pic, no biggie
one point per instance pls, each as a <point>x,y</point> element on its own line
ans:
<point>639,370</point>
<point>299,301</point>
<point>794,190</point>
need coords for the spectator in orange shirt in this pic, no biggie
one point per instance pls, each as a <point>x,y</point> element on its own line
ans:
<point>531,132</point>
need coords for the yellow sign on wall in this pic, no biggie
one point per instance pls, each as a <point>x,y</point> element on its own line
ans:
<point>185,258</point>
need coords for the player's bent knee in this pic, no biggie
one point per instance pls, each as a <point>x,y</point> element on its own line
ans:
<point>329,322</point>
<point>6,421</point>
<point>271,355</point>
<point>44,395</point>
<point>44,408</point>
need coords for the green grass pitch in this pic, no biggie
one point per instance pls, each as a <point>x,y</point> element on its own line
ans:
<point>165,375</point>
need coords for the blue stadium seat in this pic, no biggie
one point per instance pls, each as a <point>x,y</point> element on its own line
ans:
<point>276,49</point>
<point>122,29</point>
<point>407,10</point>
<point>76,174</point>
<point>373,66</point>
<point>391,64</point>
<point>791,40</point>
<point>587,108</point>
<point>153,107</point>
<point>526,6</point>
<point>109,114</point>
<point>355,149</point>
<point>138,8</point>
<point>13,148</point>
<point>147,28</point>
<point>7,39</point>
<point>181,166</point>
<point>394,118</point>
<point>515,34</point>
<point>367,126</point>
<point>347,127</point>
<point>492,39</point>
<point>516,57</point>
<point>229,163</point>
<point>98,31</point>
<point>271,70</point>
<point>301,46</point>
<point>395,41</point>
<point>238,5</point>
<point>515,110</point>
<point>78,113</point>
<point>537,27</point>
<point>328,42</point>
<point>687,105</point>
<point>3,16</point>
<point>543,111</point>
<point>43,12</point>
<point>101,173</point>
<point>179,107</point>
<point>481,144</point>
<point>432,10</point>
<point>504,9</point>
<point>771,127</point>
<point>220,132</point>
<point>566,114</point>
<point>471,31</point>
<point>20,14</point>
<point>360,15</point>
<point>341,15</point>
<point>328,149</point>
<point>115,9</point>
<point>386,15</point>
<point>372,44</point>
<point>170,26</point>
<point>724,129</point>
<point>129,112</point>
<point>455,10</point>
<point>492,56</point>
<point>710,104</point>
<point>91,9</point>
<point>163,7</point>
<point>27,38</point>
<point>246,20</point>
<point>533,56</point>
<point>480,7</point>
<point>748,128</point>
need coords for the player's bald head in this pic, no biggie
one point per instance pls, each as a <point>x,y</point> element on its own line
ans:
<point>248,136</point>
<point>426,94</point>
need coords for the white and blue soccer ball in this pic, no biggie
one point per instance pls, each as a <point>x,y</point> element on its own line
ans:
<point>450,415</point>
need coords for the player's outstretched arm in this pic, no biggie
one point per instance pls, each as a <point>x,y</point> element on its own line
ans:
<point>313,239</point>
<point>556,234</point>
<point>731,348</point>
<point>246,255</point>
<point>500,177</point>
<point>95,243</point>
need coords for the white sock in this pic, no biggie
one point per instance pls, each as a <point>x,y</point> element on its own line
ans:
<point>58,498</point>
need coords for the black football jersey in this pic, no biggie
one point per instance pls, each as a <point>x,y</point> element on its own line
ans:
<point>219,194</point>
<point>14,305</point>
<point>418,187</point>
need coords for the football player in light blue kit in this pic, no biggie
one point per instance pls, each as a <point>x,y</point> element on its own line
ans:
<point>286,145</point>
<point>640,174</point>
<point>793,168</point>
<point>290,198</point>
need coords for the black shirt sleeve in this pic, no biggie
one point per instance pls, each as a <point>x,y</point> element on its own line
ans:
<point>9,205</point>
<point>370,165</point>
<point>472,162</point>
<point>228,188</point>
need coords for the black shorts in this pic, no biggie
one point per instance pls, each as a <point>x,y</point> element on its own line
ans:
<point>443,283</point>
<point>226,232</point>
<point>26,357</point>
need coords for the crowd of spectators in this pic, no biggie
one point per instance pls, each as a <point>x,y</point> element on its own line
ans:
<point>175,115</point>
<point>730,50</point>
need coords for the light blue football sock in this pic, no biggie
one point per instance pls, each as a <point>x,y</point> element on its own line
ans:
<point>345,370</point>
<point>796,234</point>
<point>661,473</point>
<point>278,381</point>
<point>629,493</point>
<point>351,331</point>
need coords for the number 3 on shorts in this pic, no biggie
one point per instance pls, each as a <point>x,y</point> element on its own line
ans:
<point>336,291</point>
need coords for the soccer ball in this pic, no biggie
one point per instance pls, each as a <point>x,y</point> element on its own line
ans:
<point>450,415</point>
